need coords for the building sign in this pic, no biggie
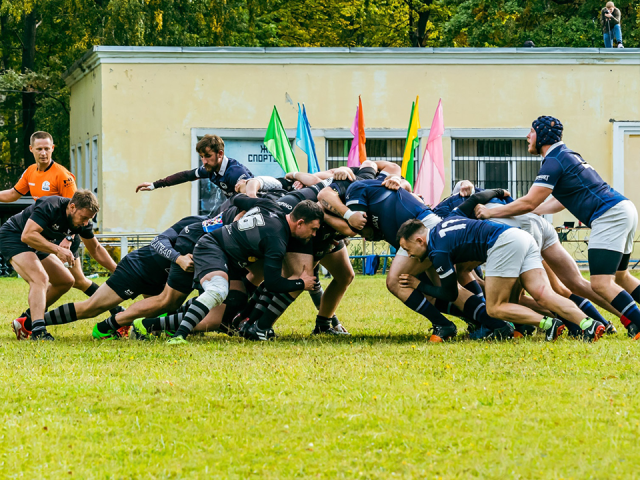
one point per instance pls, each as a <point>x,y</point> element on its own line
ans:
<point>254,155</point>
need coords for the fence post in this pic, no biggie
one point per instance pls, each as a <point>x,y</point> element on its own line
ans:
<point>124,246</point>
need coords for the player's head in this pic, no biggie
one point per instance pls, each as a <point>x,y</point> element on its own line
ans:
<point>241,185</point>
<point>545,130</point>
<point>41,145</point>
<point>306,218</point>
<point>413,236</point>
<point>211,151</point>
<point>82,208</point>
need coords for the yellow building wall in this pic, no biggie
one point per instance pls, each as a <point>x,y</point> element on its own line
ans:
<point>631,176</point>
<point>150,109</point>
<point>86,120</point>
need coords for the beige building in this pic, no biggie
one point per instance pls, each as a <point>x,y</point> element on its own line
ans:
<point>137,113</point>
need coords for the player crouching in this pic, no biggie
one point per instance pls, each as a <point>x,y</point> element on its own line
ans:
<point>34,232</point>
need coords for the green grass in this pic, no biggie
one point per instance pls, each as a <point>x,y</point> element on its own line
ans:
<point>381,404</point>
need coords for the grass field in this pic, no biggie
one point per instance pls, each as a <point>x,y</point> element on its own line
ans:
<point>383,403</point>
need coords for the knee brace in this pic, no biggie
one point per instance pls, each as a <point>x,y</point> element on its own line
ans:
<point>215,292</point>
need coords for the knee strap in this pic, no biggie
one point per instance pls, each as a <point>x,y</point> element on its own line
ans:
<point>215,292</point>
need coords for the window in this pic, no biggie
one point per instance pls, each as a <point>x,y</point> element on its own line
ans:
<point>94,165</point>
<point>79,169</point>
<point>494,163</point>
<point>389,149</point>
<point>87,166</point>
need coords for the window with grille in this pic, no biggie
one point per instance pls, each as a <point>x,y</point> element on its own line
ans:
<point>494,163</point>
<point>389,149</point>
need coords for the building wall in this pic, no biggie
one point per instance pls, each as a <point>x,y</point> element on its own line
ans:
<point>86,128</point>
<point>149,111</point>
<point>632,173</point>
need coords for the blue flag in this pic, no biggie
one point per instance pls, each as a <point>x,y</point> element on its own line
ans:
<point>304,140</point>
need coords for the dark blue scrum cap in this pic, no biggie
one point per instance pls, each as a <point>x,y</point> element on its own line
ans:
<point>548,131</point>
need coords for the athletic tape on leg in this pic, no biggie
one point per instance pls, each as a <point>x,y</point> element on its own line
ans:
<point>215,292</point>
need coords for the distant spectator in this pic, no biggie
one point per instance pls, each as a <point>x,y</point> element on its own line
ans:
<point>529,44</point>
<point>610,20</point>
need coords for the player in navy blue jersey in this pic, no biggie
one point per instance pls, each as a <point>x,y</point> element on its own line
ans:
<point>510,254</point>
<point>386,210</point>
<point>613,219</point>
<point>561,268</point>
<point>224,172</point>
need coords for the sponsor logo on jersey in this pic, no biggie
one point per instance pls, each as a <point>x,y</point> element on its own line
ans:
<point>223,186</point>
<point>285,205</point>
<point>251,259</point>
<point>55,226</point>
<point>211,224</point>
<point>46,186</point>
<point>439,270</point>
<point>128,292</point>
<point>68,181</point>
<point>543,177</point>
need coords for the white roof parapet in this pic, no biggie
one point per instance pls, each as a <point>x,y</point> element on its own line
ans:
<point>348,56</point>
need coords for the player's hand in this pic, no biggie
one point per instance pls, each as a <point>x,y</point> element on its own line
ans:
<point>409,281</point>
<point>482,212</point>
<point>507,193</point>
<point>344,173</point>
<point>65,255</point>
<point>290,176</point>
<point>65,243</point>
<point>185,262</point>
<point>297,185</point>
<point>466,188</point>
<point>358,220</point>
<point>309,280</point>
<point>392,183</point>
<point>144,187</point>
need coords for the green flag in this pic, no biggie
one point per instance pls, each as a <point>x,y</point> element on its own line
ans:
<point>278,144</point>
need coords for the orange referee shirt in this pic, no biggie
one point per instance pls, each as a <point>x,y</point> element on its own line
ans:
<point>55,180</point>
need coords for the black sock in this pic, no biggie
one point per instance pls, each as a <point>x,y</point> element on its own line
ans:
<point>474,287</point>
<point>419,304</point>
<point>63,314</point>
<point>588,308</point>
<point>626,305</point>
<point>38,328</point>
<point>249,287</point>
<point>316,295</point>
<point>279,303</point>
<point>235,302</point>
<point>574,330</point>
<point>197,311</point>
<point>449,308</point>
<point>92,289</point>
<point>334,321</point>
<point>108,325</point>
<point>476,309</point>
<point>636,294</point>
<point>261,306</point>
<point>323,323</point>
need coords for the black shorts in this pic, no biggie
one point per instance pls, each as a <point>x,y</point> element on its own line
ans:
<point>128,283</point>
<point>208,256</point>
<point>326,248</point>
<point>180,280</point>
<point>11,243</point>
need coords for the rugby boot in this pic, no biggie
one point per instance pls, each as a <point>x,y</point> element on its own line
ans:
<point>556,329</point>
<point>443,332</point>
<point>256,334</point>
<point>19,329</point>
<point>594,332</point>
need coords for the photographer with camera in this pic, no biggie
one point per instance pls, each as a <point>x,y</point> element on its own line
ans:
<point>610,20</point>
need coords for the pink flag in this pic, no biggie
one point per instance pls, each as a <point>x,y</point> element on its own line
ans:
<point>430,182</point>
<point>354,153</point>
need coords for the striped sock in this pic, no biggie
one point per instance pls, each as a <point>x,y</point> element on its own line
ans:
<point>197,311</point>
<point>587,307</point>
<point>63,314</point>
<point>279,303</point>
<point>626,305</point>
<point>37,328</point>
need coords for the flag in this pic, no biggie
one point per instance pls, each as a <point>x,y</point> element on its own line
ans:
<point>304,140</point>
<point>430,181</point>
<point>411,144</point>
<point>278,144</point>
<point>358,152</point>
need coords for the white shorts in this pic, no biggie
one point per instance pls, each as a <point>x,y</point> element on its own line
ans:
<point>541,230</point>
<point>514,253</point>
<point>615,228</point>
<point>429,221</point>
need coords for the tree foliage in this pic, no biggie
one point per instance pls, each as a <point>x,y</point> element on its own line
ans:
<point>40,39</point>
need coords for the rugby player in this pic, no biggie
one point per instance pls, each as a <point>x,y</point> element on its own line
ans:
<point>43,179</point>
<point>510,254</point>
<point>36,229</point>
<point>224,172</point>
<point>386,210</point>
<point>141,272</point>
<point>613,219</point>
<point>261,234</point>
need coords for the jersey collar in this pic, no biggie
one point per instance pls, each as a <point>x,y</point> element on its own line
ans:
<point>48,167</point>
<point>223,166</point>
<point>557,144</point>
